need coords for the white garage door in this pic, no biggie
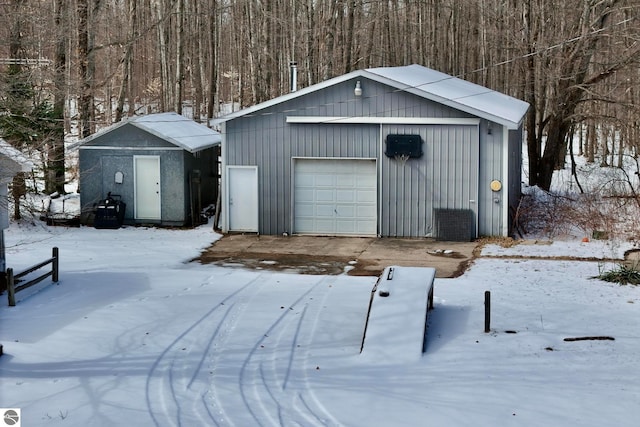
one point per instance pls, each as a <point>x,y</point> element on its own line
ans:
<point>335,196</point>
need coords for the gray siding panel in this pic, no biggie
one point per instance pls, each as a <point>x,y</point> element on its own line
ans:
<point>443,178</point>
<point>491,203</point>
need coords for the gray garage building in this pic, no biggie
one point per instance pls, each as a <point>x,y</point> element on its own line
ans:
<point>393,152</point>
<point>163,166</point>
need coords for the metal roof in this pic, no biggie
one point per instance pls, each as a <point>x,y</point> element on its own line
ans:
<point>15,156</point>
<point>426,83</point>
<point>171,127</point>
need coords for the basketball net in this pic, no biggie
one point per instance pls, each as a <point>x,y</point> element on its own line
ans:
<point>401,158</point>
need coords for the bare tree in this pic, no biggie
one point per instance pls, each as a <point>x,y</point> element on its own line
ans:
<point>576,76</point>
<point>579,71</point>
<point>56,156</point>
<point>85,98</point>
<point>177,97</point>
<point>127,63</point>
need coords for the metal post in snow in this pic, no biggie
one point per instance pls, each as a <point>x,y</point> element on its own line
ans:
<point>11,288</point>
<point>54,264</point>
<point>487,311</point>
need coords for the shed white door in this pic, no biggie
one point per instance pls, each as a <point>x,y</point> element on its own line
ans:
<point>243,198</point>
<point>146,172</point>
<point>335,196</point>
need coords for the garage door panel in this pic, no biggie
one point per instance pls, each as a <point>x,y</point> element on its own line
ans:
<point>325,195</point>
<point>345,227</point>
<point>348,196</point>
<point>324,180</point>
<point>348,181</point>
<point>321,167</point>
<point>305,180</point>
<point>346,211</point>
<point>325,211</point>
<point>365,182</point>
<point>365,212</point>
<point>365,226</point>
<point>366,196</point>
<point>305,195</point>
<point>324,226</point>
<point>306,210</point>
<point>340,167</point>
<point>335,196</point>
<point>305,222</point>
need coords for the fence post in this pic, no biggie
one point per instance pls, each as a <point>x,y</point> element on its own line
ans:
<point>54,265</point>
<point>11,288</point>
<point>487,311</point>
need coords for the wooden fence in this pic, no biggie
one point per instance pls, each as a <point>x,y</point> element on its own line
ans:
<point>11,278</point>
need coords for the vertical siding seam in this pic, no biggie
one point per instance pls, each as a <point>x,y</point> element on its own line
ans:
<point>506,182</point>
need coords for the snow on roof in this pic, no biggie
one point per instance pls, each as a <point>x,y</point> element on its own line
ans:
<point>426,83</point>
<point>454,92</point>
<point>171,127</point>
<point>16,156</point>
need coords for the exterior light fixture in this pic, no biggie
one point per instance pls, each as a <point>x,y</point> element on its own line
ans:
<point>358,90</point>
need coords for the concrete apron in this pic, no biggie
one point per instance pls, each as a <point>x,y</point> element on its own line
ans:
<point>356,256</point>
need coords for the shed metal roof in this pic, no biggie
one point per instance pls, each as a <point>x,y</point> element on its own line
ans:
<point>426,83</point>
<point>171,127</point>
<point>15,156</point>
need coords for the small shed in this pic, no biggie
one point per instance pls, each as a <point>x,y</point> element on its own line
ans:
<point>163,167</point>
<point>12,162</point>
<point>392,152</point>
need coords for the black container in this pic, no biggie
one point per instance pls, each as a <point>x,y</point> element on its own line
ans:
<point>110,212</point>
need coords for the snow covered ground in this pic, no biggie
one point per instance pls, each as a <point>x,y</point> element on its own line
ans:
<point>134,334</point>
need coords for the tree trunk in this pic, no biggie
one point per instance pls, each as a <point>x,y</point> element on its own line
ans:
<point>19,92</point>
<point>570,89</point>
<point>533,144</point>
<point>213,66</point>
<point>165,84</point>
<point>84,99</point>
<point>125,85</point>
<point>349,48</point>
<point>555,145</point>
<point>177,106</point>
<point>56,155</point>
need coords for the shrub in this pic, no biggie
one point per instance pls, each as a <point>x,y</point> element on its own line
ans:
<point>622,274</point>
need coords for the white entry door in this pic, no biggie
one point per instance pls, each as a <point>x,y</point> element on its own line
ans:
<point>146,172</point>
<point>335,197</point>
<point>242,193</point>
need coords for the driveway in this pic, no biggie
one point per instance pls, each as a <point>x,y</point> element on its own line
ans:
<point>357,256</point>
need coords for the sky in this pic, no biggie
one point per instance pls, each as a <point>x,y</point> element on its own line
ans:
<point>136,334</point>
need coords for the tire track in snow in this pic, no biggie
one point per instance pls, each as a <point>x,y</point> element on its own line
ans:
<point>304,399</point>
<point>312,404</point>
<point>227,326</point>
<point>173,393</point>
<point>251,380</point>
<point>277,377</point>
<point>269,367</point>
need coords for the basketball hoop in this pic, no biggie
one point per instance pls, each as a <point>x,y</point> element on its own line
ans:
<point>401,158</point>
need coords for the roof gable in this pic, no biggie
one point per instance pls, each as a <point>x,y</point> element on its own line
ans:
<point>12,160</point>
<point>426,83</point>
<point>454,92</point>
<point>171,127</point>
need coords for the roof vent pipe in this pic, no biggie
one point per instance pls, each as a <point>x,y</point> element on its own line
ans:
<point>294,75</point>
